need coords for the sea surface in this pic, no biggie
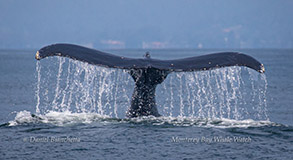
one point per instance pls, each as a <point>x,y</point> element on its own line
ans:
<point>59,108</point>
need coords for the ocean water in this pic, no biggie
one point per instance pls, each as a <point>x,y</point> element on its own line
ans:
<point>60,108</point>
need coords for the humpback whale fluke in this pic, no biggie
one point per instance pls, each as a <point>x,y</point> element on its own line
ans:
<point>146,72</point>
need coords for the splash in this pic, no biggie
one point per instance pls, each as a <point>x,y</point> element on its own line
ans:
<point>68,118</point>
<point>236,93</point>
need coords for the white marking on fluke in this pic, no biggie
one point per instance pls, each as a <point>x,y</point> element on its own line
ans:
<point>262,70</point>
<point>38,55</point>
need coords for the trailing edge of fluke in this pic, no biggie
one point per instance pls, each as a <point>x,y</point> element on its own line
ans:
<point>197,63</point>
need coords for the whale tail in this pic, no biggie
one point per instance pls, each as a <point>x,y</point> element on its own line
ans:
<point>146,72</point>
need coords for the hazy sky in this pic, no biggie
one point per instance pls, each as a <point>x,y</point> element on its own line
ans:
<point>147,23</point>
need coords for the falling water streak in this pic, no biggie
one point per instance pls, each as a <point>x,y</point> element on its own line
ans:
<point>204,78</point>
<point>115,94</point>
<point>63,106</point>
<point>57,92</point>
<point>69,102</point>
<point>188,81</point>
<point>94,96</point>
<point>211,97</point>
<point>193,94</point>
<point>240,94</point>
<point>225,87</point>
<point>229,93</point>
<point>262,106</point>
<point>253,77</point>
<point>211,112</point>
<point>46,99</point>
<point>204,95</point>
<point>236,92</point>
<point>171,100</point>
<point>265,111</point>
<point>93,88</point>
<point>38,69</point>
<point>76,84</point>
<point>109,96</point>
<point>252,85</point>
<point>179,75</point>
<point>233,99</point>
<point>109,88</point>
<point>165,107</point>
<point>102,89</point>
<point>84,90</point>
<point>87,87</point>
<point>244,91</point>
<point>198,95</point>
<point>201,95</point>
<point>127,80</point>
<point>214,90</point>
<point>220,92</point>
